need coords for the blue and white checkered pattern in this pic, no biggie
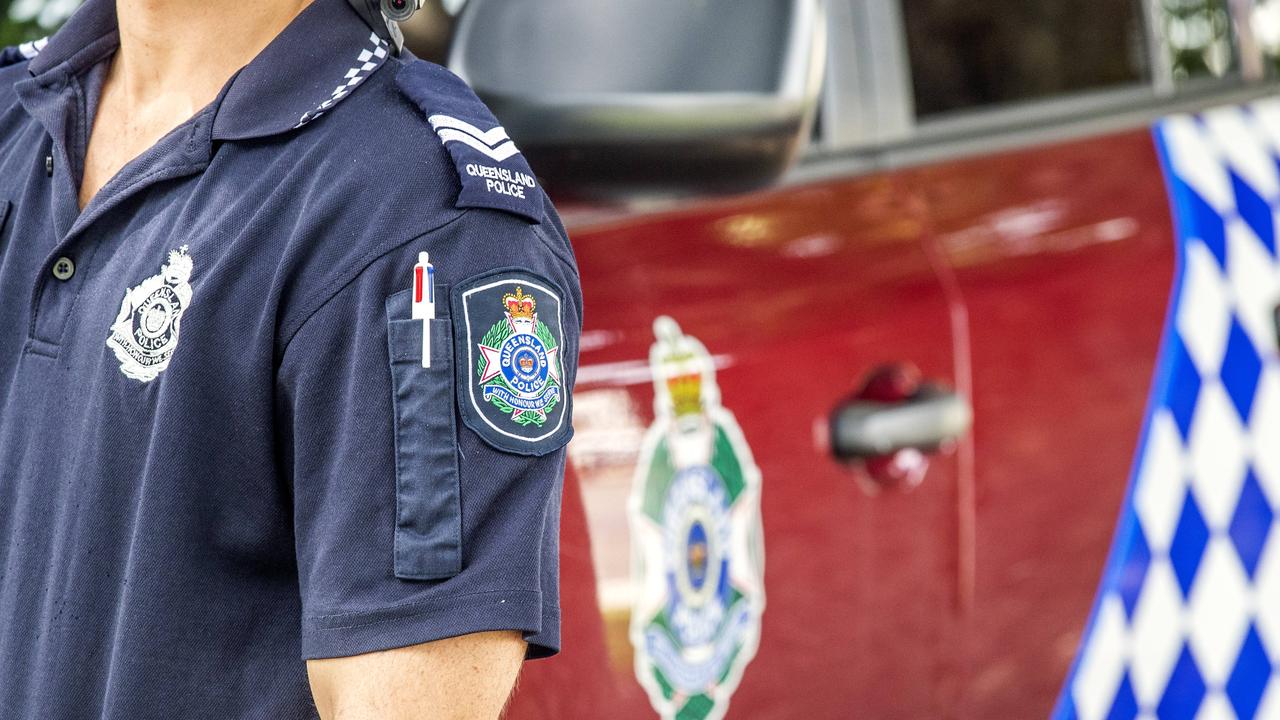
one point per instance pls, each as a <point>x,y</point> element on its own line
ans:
<point>1187,622</point>
<point>369,60</point>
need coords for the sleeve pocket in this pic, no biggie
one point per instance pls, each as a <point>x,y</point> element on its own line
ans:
<point>428,536</point>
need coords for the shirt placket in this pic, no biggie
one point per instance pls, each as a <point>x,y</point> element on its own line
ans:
<point>58,103</point>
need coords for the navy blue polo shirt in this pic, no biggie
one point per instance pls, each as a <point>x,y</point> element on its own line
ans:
<point>221,449</point>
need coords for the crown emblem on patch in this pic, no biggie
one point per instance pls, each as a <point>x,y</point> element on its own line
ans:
<point>684,377</point>
<point>520,306</point>
<point>686,394</point>
<point>519,367</point>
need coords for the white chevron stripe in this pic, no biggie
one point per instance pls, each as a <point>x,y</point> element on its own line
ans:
<point>500,153</point>
<point>490,138</point>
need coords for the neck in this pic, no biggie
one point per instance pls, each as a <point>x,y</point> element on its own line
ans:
<point>186,50</point>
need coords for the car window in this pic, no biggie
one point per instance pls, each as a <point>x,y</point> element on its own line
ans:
<point>967,55</point>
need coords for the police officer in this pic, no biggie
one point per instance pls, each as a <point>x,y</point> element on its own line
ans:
<point>287,334</point>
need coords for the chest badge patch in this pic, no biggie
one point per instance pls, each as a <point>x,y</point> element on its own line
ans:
<point>515,395</point>
<point>697,539</point>
<point>145,332</point>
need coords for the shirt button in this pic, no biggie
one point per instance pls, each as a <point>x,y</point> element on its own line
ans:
<point>64,268</point>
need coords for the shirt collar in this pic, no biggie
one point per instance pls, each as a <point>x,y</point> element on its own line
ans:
<point>311,66</point>
<point>88,36</point>
<point>315,63</point>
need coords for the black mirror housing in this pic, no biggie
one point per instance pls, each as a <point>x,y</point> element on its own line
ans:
<point>648,97</point>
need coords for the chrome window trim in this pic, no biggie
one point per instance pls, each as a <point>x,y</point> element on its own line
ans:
<point>867,98</point>
<point>1159,58</point>
<point>1124,111</point>
<point>1062,108</point>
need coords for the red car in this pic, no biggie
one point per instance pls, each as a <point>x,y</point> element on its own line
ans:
<point>816,240</point>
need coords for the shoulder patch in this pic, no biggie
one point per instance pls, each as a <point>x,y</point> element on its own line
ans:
<point>493,172</point>
<point>22,53</point>
<point>509,339</point>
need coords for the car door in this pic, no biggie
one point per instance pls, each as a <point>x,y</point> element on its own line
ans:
<point>1064,257</point>
<point>1055,220</point>
<point>796,296</point>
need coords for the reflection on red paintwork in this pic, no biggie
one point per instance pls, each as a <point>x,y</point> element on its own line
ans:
<point>1063,257</point>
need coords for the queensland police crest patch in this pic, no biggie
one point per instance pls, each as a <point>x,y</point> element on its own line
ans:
<point>514,394</point>
<point>145,332</point>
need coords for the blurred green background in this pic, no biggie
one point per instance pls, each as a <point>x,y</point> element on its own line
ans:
<point>23,20</point>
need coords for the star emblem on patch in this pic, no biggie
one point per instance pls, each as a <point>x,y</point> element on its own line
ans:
<point>515,396</point>
<point>520,362</point>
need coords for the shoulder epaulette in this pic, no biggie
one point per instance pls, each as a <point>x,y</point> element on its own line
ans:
<point>493,172</point>
<point>22,53</point>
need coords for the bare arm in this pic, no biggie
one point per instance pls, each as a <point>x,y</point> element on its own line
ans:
<point>463,678</point>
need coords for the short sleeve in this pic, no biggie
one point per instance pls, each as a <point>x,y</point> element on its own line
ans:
<point>410,524</point>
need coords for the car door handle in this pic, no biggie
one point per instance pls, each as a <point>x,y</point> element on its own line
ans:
<point>930,418</point>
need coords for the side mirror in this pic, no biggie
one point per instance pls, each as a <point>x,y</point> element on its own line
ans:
<point>633,97</point>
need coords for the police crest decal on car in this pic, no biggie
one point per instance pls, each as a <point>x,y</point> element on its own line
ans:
<point>697,539</point>
<point>145,332</point>
<point>514,395</point>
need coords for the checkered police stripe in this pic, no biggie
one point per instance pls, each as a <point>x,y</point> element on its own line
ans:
<point>1187,620</point>
<point>368,61</point>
